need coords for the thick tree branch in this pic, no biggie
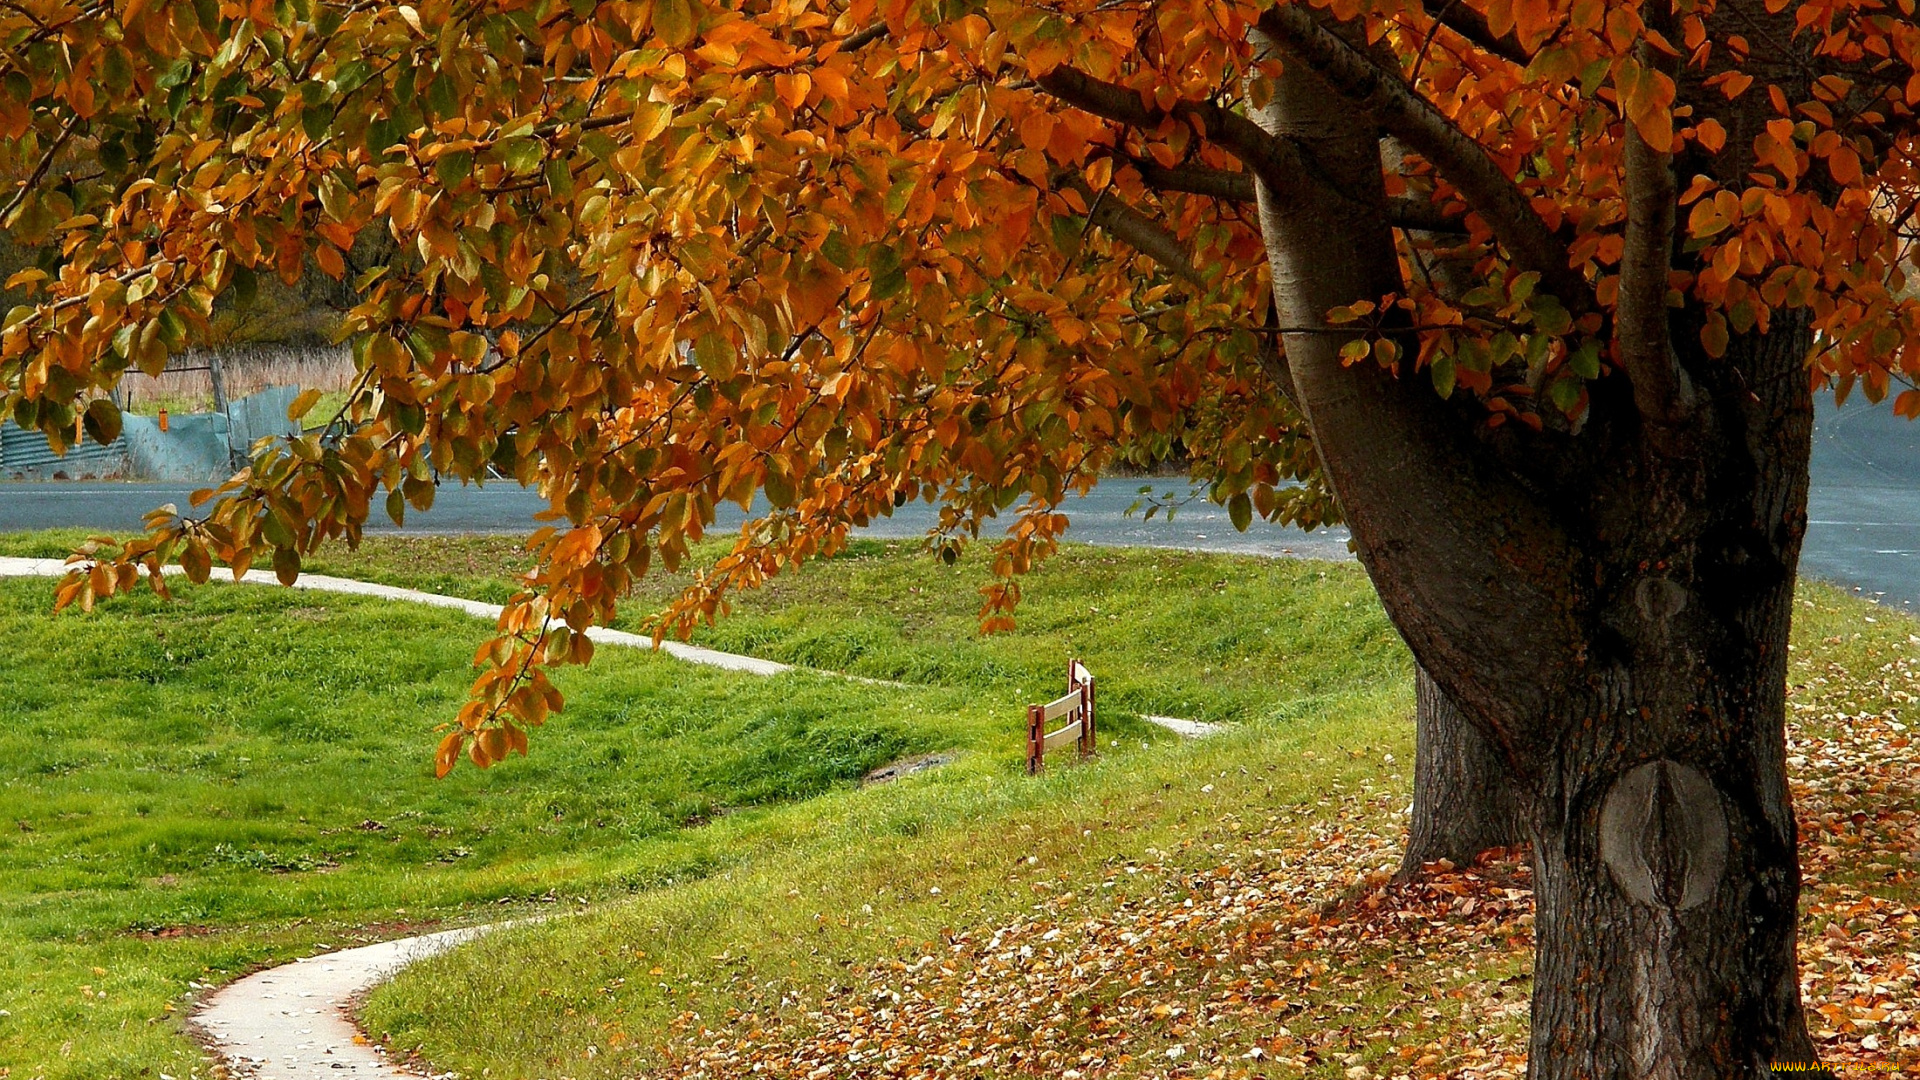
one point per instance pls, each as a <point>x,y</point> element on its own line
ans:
<point>863,38</point>
<point>1405,212</point>
<point>1223,184</point>
<point>1420,215</point>
<point>1260,152</point>
<point>1411,118</point>
<point>1644,335</point>
<point>1439,526</point>
<point>1134,228</point>
<point>1276,159</point>
<point>1473,26</point>
<point>1145,235</point>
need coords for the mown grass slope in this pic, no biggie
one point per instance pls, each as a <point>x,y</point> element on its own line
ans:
<point>191,789</point>
<point>1192,635</point>
<point>201,787</point>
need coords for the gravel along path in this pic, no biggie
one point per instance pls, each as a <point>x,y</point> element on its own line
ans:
<point>294,1022</point>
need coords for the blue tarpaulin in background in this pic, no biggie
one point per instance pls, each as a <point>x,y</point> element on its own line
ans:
<point>26,455</point>
<point>195,448</point>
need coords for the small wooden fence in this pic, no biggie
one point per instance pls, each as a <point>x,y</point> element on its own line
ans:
<point>1076,706</point>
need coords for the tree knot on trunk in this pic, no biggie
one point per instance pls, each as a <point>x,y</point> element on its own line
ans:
<point>1659,600</point>
<point>1663,835</point>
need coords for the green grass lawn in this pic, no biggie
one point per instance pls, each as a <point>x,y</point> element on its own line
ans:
<point>194,789</point>
<point>219,799</point>
<point>197,788</point>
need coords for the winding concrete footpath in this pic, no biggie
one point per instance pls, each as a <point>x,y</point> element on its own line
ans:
<point>295,1021</point>
<point>693,654</point>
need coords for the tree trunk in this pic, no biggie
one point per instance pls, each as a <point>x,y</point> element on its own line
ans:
<point>1464,798</point>
<point>1609,610</point>
<point>1667,874</point>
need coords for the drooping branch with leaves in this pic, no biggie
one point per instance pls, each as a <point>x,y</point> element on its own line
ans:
<point>1538,289</point>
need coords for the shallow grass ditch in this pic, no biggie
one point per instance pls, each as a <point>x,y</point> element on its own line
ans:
<point>195,788</point>
<point>896,874</point>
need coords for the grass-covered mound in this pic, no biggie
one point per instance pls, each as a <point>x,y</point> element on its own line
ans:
<point>189,790</point>
<point>195,789</point>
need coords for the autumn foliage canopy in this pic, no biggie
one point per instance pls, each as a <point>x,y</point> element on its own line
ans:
<point>652,256</point>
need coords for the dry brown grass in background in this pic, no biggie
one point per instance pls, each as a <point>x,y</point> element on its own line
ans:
<point>249,369</point>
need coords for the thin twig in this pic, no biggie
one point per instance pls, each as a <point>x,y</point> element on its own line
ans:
<point>39,173</point>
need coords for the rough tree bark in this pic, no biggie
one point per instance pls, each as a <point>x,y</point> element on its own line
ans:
<point>1464,798</point>
<point>1667,877</point>
<point>1612,615</point>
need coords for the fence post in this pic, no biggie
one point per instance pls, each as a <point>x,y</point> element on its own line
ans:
<point>218,377</point>
<point>1089,738</point>
<point>1036,735</point>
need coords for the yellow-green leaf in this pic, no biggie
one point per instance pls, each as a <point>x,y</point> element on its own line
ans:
<point>303,404</point>
<point>103,421</point>
<point>675,21</point>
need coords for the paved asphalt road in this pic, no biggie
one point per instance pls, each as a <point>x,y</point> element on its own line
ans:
<point>1863,511</point>
<point>1099,518</point>
<point>1865,527</point>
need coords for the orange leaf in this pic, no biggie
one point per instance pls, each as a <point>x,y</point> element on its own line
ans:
<point>496,742</point>
<point>1710,135</point>
<point>792,89</point>
<point>331,264</point>
<point>832,83</point>
<point>676,21</point>
<point>448,753</point>
<point>194,562</point>
<point>286,565</point>
<point>1646,98</point>
<point>1844,163</point>
<point>1066,145</point>
<point>1037,129</point>
<point>1706,220</point>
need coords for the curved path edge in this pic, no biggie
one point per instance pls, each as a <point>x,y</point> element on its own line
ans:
<point>11,566</point>
<point>295,1021</point>
<point>14,566</point>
